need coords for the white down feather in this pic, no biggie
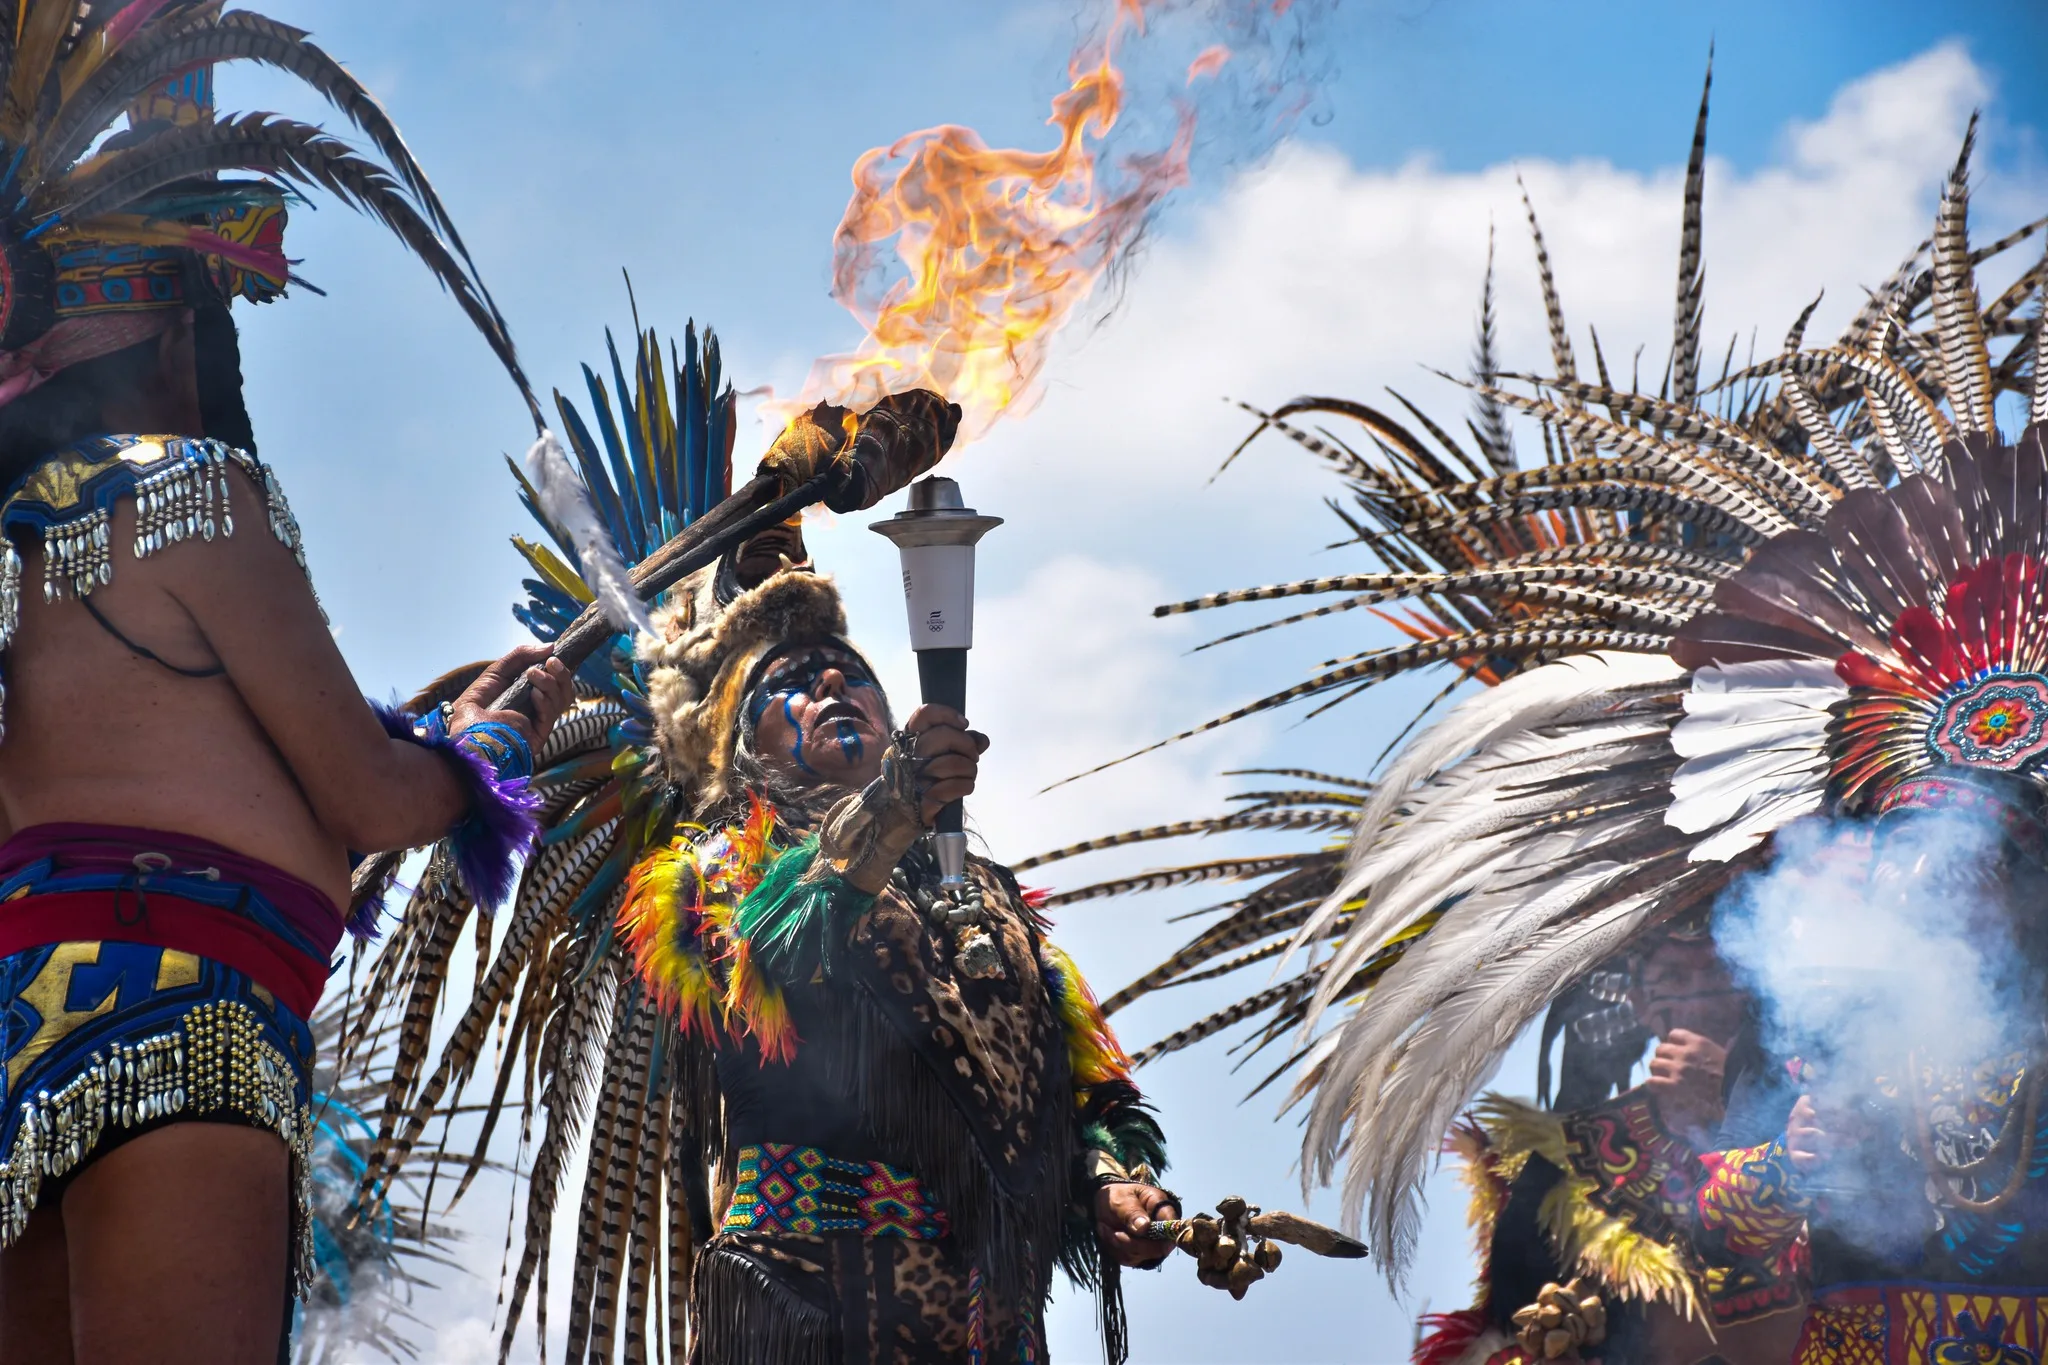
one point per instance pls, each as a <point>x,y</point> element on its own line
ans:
<point>1400,1105</point>
<point>1456,822</point>
<point>1463,825</point>
<point>1569,690</point>
<point>1754,745</point>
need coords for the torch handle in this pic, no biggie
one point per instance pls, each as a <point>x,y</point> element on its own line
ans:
<point>942,681</point>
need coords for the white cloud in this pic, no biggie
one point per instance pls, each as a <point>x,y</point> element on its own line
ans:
<point>1904,118</point>
<point>1311,275</point>
<point>1073,673</point>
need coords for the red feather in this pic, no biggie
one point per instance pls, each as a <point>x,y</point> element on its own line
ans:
<point>1450,1335</point>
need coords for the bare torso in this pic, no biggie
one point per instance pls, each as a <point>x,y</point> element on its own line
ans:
<point>96,733</point>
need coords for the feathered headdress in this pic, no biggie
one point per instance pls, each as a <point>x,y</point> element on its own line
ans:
<point>97,235</point>
<point>1874,614</point>
<point>1706,620</point>
<point>650,472</point>
<point>593,1046</point>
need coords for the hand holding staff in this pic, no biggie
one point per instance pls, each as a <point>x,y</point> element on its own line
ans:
<point>812,461</point>
<point>1235,1248</point>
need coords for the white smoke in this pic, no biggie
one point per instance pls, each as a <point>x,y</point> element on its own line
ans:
<point>1873,967</point>
<point>1879,961</point>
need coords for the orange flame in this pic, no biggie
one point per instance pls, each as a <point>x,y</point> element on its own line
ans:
<point>998,247</point>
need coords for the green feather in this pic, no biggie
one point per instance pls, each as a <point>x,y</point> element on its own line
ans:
<point>786,918</point>
<point>1130,1135</point>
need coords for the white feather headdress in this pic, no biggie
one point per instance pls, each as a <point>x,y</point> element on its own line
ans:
<point>1706,616</point>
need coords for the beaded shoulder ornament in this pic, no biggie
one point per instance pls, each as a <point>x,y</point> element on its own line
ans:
<point>180,490</point>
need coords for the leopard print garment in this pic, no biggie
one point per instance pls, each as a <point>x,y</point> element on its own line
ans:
<point>789,1299</point>
<point>993,1043</point>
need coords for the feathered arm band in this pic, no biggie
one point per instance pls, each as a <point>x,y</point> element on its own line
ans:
<point>494,765</point>
<point>1120,1141</point>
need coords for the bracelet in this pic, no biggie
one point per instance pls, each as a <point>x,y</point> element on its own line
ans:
<point>432,728</point>
<point>499,745</point>
<point>493,762</point>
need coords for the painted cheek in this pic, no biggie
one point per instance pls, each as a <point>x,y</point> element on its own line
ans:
<point>796,730</point>
<point>851,746</point>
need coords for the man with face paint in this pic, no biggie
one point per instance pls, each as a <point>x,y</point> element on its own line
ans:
<point>921,1111</point>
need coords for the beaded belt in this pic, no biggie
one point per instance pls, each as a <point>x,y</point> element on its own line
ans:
<point>786,1188</point>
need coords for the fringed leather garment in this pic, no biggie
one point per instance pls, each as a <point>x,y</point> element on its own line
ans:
<point>902,1114</point>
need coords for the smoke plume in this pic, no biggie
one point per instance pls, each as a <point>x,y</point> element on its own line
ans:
<point>1880,963</point>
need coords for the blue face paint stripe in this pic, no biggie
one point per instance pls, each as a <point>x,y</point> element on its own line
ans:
<point>802,685</point>
<point>851,746</point>
<point>796,747</point>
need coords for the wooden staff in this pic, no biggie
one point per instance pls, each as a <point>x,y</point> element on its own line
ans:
<point>1235,1247</point>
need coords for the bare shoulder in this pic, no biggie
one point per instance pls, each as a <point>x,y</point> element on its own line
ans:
<point>252,556</point>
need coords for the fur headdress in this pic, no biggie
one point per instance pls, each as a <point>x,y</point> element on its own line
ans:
<point>701,673</point>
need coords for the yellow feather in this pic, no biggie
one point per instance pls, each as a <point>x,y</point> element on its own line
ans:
<point>551,567</point>
<point>1621,1260</point>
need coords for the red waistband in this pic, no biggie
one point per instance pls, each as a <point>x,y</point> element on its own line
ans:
<point>85,846</point>
<point>172,922</point>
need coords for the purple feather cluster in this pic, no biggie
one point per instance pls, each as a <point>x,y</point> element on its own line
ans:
<point>497,829</point>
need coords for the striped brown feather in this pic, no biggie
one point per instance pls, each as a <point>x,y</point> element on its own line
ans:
<point>1788,473</point>
<point>1692,277</point>
<point>569,1055</point>
<point>1184,963</point>
<point>1489,420</point>
<point>1222,869</point>
<point>1259,1002</point>
<point>1306,775</point>
<point>595,1212</point>
<point>1553,311</point>
<point>449,906</point>
<point>1728,488</point>
<point>555,868</point>
<point>1958,319</point>
<point>633,1042</point>
<point>1922,423</point>
<point>1214,825</point>
<point>1651,500</point>
<point>1391,662</point>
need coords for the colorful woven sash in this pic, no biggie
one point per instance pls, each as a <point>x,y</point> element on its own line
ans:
<point>1925,1324</point>
<point>786,1188</point>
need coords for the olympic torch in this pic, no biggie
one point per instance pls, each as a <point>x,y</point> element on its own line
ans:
<point>936,536</point>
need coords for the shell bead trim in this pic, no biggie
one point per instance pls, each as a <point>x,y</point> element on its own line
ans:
<point>215,1058</point>
<point>179,486</point>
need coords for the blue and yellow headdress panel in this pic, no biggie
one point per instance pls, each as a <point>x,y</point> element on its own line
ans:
<point>103,234</point>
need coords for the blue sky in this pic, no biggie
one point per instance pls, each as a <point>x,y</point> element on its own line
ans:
<point>707,149</point>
